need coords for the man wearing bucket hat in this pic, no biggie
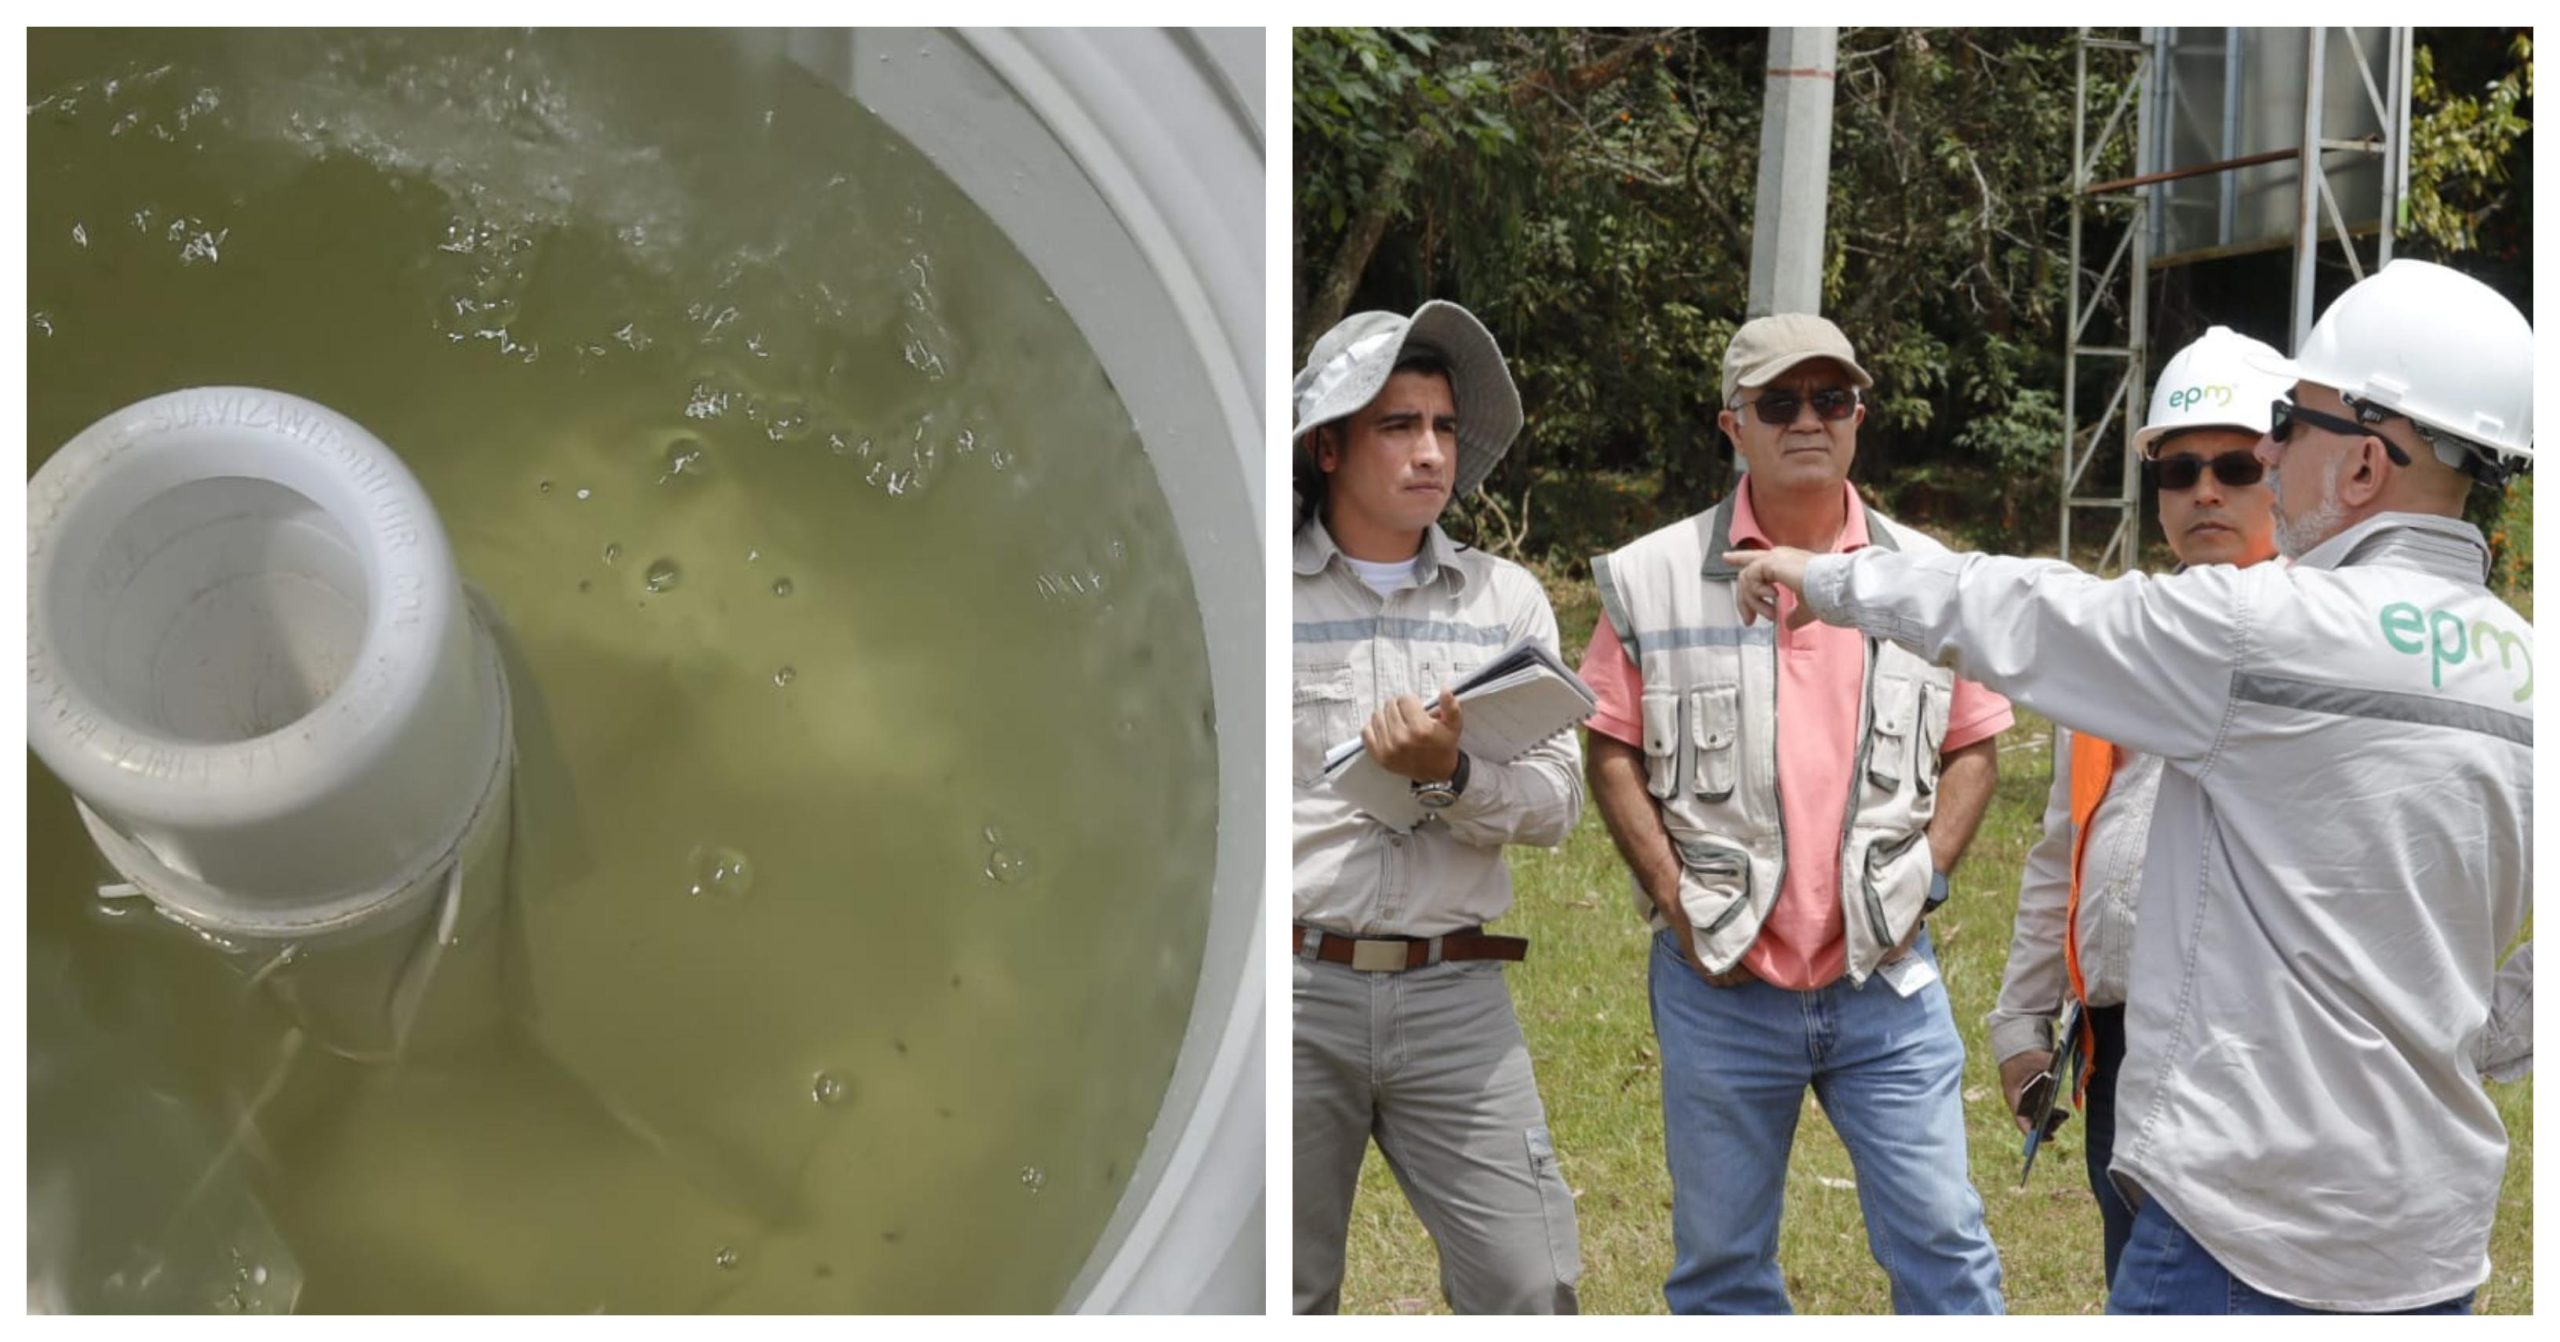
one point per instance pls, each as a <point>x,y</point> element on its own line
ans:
<point>2074,932</point>
<point>2342,844</point>
<point>1402,1028</point>
<point>1790,808</point>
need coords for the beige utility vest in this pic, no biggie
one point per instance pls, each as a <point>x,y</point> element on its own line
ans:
<point>1711,750</point>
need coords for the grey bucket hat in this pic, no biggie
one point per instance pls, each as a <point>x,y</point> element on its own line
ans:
<point>1349,367</point>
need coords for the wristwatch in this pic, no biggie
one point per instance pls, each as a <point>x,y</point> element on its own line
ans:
<point>1441,794</point>
<point>1937,892</point>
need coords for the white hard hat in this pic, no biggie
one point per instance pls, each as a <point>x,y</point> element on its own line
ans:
<point>2218,381</point>
<point>2438,347</point>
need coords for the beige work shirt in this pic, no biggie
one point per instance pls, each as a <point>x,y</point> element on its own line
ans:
<point>1352,650</point>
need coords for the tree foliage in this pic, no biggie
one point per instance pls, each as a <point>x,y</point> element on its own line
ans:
<point>2461,146</point>
<point>1589,194</point>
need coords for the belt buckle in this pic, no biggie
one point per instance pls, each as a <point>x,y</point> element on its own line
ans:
<point>1378,957</point>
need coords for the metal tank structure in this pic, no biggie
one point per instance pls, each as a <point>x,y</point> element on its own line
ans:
<point>2240,140</point>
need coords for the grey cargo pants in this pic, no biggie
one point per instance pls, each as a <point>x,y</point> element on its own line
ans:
<point>1429,1062</point>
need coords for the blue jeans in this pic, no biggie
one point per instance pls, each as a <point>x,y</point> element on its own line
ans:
<point>2115,1215</point>
<point>2165,1271</point>
<point>1889,1071</point>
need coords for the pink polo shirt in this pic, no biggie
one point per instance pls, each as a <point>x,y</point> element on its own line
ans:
<point>1822,672</point>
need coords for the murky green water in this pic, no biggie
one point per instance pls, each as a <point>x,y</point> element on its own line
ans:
<point>872,761</point>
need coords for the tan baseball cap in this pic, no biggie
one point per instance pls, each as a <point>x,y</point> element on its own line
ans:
<point>1768,346</point>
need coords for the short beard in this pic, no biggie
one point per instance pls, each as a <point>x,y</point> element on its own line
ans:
<point>2298,536</point>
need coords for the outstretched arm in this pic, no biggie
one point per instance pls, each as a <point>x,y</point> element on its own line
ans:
<point>2145,662</point>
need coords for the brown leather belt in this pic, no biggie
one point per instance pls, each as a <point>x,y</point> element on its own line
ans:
<point>1394,955</point>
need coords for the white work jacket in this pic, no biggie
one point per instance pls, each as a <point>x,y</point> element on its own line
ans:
<point>1352,650</point>
<point>2342,847</point>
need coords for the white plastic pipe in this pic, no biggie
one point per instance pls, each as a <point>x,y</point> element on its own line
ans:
<point>250,658</point>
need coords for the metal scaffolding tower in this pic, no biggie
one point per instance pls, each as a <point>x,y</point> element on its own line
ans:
<point>2126,214</point>
<point>2130,210</point>
<point>2391,109</point>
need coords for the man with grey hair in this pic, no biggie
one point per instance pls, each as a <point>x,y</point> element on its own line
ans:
<point>2342,845</point>
<point>1402,1027</point>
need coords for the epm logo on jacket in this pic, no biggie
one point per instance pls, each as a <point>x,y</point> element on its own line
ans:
<point>2447,640</point>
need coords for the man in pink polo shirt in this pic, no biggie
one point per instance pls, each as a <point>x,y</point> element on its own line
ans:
<point>1790,802</point>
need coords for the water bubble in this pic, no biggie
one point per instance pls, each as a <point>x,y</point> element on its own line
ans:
<point>585,493</point>
<point>543,488</point>
<point>788,423</point>
<point>754,555</point>
<point>258,1275</point>
<point>203,246</point>
<point>726,1260</point>
<point>663,575</point>
<point>706,401</point>
<point>612,551</point>
<point>782,587</point>
<point>784,676</point>
<point>829,1088</point>
<point>1007,866</point>
<point>1033,1177</point>
<point>721,873</point>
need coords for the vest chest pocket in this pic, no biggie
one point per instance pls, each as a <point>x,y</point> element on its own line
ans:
<point>1662,742</point>
<point>1715,717</point>
<point>1889,742</point>
<point>1936,703</point>
<point>1323,713</point>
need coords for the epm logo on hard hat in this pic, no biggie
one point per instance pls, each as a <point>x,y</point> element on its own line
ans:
<point>2215,394</point>
<point>2403,623</point>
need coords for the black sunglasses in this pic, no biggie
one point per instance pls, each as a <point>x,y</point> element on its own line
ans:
<point>1831,405</point>
<point>2177,475</point>
<point>2289,413</point>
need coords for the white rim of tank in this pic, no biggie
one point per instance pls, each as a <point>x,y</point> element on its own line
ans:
<point>1161,130</point>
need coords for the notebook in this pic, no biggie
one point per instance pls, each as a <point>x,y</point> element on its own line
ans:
<point>1522,697</point>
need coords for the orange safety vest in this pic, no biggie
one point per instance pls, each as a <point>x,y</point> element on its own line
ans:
<point>2093,767</point>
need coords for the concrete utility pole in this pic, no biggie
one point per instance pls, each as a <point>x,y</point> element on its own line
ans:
<point>1795,172</point>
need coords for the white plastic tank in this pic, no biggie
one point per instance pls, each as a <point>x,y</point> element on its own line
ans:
<point>1126,164</point>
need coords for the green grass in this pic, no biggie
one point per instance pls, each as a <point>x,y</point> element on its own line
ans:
<point>1581,999</point>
